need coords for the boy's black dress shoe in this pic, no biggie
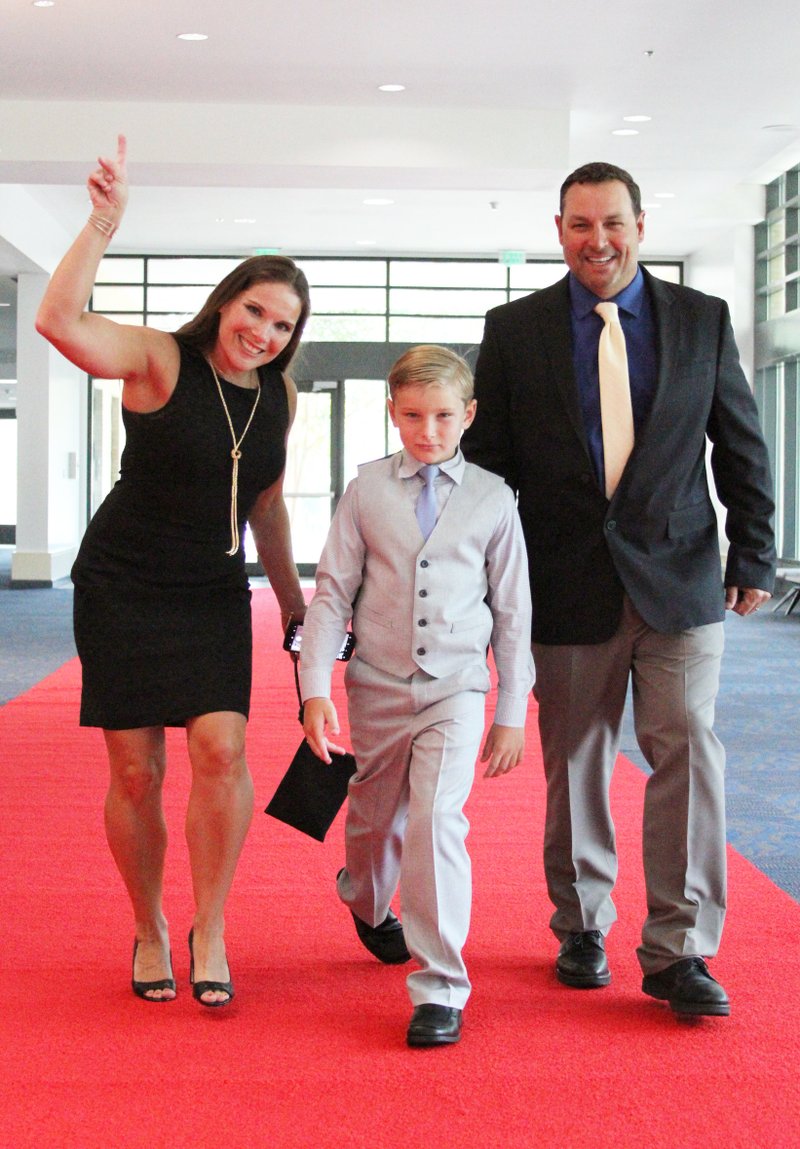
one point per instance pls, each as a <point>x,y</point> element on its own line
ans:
<point>582,962</point>
<point>689,988</point>
<point>434,1025</point>
<point>386,941</point>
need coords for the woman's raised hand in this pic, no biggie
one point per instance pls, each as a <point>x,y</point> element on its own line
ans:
<point>108,184</point>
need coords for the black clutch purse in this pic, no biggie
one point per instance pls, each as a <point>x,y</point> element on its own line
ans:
<point>311,793</point>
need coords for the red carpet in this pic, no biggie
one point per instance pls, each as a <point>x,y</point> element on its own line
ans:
<point>312,1051</point>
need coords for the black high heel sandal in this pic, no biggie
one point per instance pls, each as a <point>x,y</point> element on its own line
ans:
<point>143,988</point>
<point>201,987</point>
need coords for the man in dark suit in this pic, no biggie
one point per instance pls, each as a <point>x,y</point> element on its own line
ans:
<point>626,575</point>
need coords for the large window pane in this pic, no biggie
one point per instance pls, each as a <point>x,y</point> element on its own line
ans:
<point>170,322</point>
<point>308,475</point>
<point>431,302</point>
<point>345,328</point>
<point>776,304</point>
<point>441,273</point>
<point>310,517</point>
<point>308,462</point>
<point>776,268</point>
<point>8,472</point>
<point>670,272</point>
<point>349,300</point>
<point>416,329</point>
<point>118,298</point>
<point>205,271</point>
<point>183,299</point>
<point>344,272</point>
<point>533,276</point>
<point>776,231</point>
<point>120,269</point>
<point>365,424</point>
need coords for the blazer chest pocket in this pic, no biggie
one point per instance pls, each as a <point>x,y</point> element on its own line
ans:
<point>690,519</point>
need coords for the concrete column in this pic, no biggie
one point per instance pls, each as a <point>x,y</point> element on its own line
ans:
<point>51,422</point>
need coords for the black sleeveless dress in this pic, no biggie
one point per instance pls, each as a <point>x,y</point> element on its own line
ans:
<point>162,613</point>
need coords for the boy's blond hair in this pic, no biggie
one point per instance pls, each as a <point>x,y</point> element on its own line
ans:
<point>429,365</point>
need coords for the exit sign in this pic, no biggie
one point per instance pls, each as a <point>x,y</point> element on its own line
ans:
<point>512,257</point>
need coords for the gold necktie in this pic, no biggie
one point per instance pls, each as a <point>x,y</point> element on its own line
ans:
<point>616,412</point>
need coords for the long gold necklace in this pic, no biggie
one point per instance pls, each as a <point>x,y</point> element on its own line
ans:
<point>236,455</point>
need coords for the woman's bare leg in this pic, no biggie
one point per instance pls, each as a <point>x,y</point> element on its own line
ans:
<point>218,817</point>
<point>137,836</point>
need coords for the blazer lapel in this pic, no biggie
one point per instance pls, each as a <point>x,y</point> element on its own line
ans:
<point>668,324</point>
<point>556,340</point>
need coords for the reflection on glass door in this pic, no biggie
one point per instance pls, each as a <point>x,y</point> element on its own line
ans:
<point>368,430</point>
<point>337,426</point>
<point>107,439</point>
<point>307,486</point>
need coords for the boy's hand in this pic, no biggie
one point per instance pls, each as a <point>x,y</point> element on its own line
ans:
<point>503,749</point>
<point>317,714</point>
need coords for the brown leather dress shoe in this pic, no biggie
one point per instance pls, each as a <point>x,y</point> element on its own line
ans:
<point>582,962</point>
<point>434,1025</point>
<point>689,988</point>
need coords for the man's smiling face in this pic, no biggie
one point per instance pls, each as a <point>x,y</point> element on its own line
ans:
<point>600,236</point>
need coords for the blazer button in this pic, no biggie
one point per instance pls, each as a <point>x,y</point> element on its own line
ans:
<point>611,525</point>
<point>421,650</point>
<point>423,594</point>
<point>422,622</point>
<point>424,563</point>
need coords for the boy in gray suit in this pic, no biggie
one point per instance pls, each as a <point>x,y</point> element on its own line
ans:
<point>425,553</point>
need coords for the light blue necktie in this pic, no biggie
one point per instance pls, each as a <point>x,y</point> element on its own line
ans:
<point>426,508</point>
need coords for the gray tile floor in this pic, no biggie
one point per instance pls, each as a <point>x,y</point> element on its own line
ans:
<point>758,712</point>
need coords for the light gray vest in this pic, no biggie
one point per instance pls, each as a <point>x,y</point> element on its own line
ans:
<point>422,605</point>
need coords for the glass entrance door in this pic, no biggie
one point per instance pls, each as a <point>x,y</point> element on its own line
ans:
<point>338,425</point>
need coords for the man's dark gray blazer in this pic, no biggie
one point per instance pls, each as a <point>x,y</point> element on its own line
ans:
<point>657,539</point>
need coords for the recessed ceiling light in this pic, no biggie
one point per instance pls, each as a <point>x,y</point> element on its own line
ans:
<point>664,195</point>
<point>44,3</point>
<point>244,219</point>
<point>192,36</point>
<point>391,87</point>
<point>4,304</point>
<point>637,119</point>
<point>651,206</point>
<point>376,202</point>
<point>625,132</point>
<point>366,242</point>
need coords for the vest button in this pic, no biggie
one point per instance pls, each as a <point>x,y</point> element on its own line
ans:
<point>423,594</point>
<point>424,563</point>
<point>422,622</point>
<point>611,525</point>
<point>421,650</point>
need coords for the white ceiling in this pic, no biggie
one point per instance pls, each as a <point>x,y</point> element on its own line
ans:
<point>277,117</point>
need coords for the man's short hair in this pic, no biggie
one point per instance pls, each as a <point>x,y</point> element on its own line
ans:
<point>601,173</point>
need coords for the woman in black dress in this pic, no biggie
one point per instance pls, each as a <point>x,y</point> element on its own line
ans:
<point>162,604</point>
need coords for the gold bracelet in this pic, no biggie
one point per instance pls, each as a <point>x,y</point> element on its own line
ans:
<point>106,226</point>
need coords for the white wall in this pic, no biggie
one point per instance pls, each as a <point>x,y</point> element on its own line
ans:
<point>726,269</point>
